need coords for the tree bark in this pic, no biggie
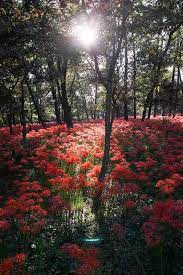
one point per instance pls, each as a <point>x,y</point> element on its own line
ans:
<point>36,103</point>
<point>3,117</point>
<point>51,71</point>
<point>9,118</point>
<point>65,104</point>
<point>56,106</point>
<point>97,204</point>
<point>23,120</point>
<point>155,104</point>
<point>85,106</point>
<point>126,78</point>
<point>134,82</point>
<point>96,98</point>
<point>150,105</point>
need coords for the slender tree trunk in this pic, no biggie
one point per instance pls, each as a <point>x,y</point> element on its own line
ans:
<point>85,107</point>
<point>150,106</point>
<point>96,98</point>
<point>179,48</point>
<point>13,118</point>
<point>134,82</point>
<point>146,104</point>
<point>181,107</point>
<point>23,120</point>
<point>172,95</point>
<point>108,127</point>
<point>126,79</point>
<point>155,104</point>
<point>9,118</point>
<point>176,92</point>
<point>56,107</point>
<point>65,104</point>
<point>149,98</point>
<point>97,204</point>
<point>36,104</point>
<point>31,112</point>
<point>53,90</point>
<point>3,117</point>
<point>163,111</point>
<point>181,103</point>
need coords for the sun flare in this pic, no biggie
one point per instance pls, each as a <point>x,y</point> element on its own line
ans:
<point>85,35</point>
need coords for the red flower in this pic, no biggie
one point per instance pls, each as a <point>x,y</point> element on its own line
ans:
<point>4,225</point>
<point>129,204</point>
<point>73,250</point>
<point>20,258</point>
<point>131,188</point>
<point>166,186</point>
<point>6,266</point>
<point>46,193</point>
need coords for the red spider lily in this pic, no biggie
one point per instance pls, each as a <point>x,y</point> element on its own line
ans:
<point>122,172</point>
<point>73,250</point>
<point>58,205</point>
<point>86,166</point>
<point>4,225</point>
<point>166,186</point>
<point>12,263</point>
<point>129,204</point>
<point>131,188</point>
<point>86,258</point>
<point>46,193</point>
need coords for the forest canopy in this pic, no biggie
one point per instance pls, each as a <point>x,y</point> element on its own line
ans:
<point>51,51</point>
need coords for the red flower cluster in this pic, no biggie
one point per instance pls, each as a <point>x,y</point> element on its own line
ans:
<point>87,258</point>
<point>61,167</point>
<point>13,264</point>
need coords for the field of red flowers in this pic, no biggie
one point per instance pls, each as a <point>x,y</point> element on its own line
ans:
<point>47,225</point>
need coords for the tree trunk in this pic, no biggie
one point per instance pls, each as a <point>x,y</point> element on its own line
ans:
<point>31,113</point>
<point>105,161</point>
<point>36,103</point>
<point>181,103</point>
<point>108,127</point>
<point>23,120</point>
<point>155,104</point>
<point>146,104</point>
<point>181,107</point>
<point>3,117</point>
<point>176,92</point>
<point>9,118</point>
<point>96,98</point>
<point>51,72</point>
<point>134,82</point>
<point>56,107</point>
<point>65,105</point>
<point>179,48</point>
<point>85,107</point>
<point>126,79</point>
<point>170,109</point>
<point>150,106</point>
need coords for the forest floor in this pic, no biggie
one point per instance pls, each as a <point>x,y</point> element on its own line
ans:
<point>47,188</point>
